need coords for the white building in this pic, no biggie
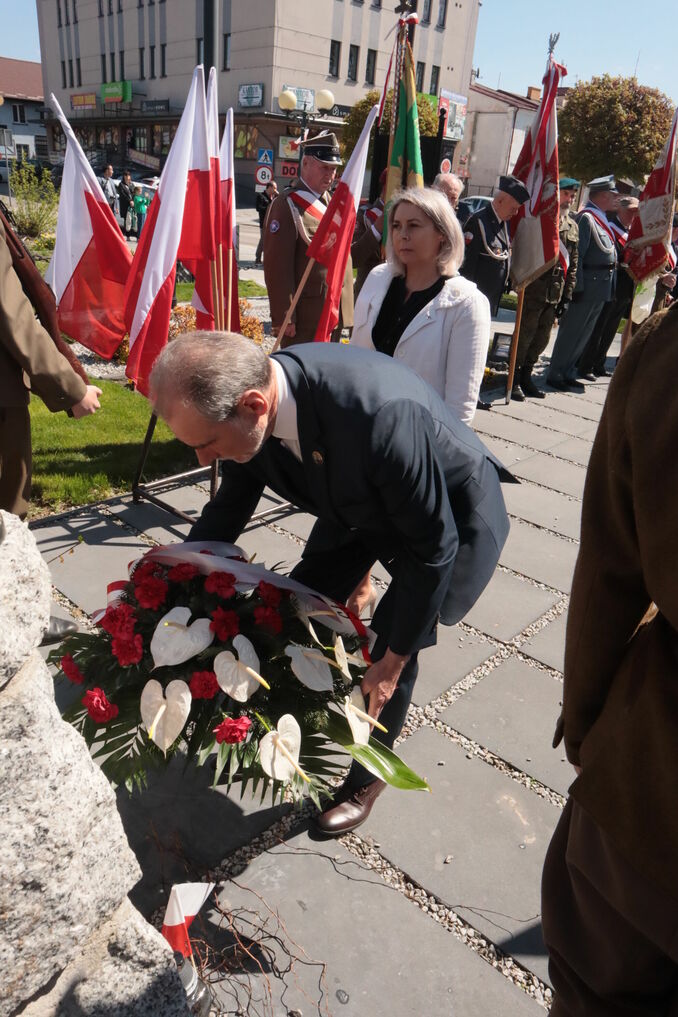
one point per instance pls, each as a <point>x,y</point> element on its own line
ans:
<point>21,90</point>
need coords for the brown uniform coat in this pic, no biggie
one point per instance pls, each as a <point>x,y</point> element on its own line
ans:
<point>285,262</point>
<point>620,706</point>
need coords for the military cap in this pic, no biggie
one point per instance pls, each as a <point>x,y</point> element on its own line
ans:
<point>568,184</point>
<point>324,147</point>
<point>602,184</point>
<point>515,187</point>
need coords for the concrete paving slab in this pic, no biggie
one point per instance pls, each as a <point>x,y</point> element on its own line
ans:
<point>576,450</point>
<point>545,508</point>
<point>493,831</point>
<point>509,605</point>
<point>156,523</point>
<point>500,425</point>
<point>548,645</point>
<point>573,404</point>
<point>330,905</point>
<point>299,523</point>
<point>269,548</point>
<point>506,452</point>
<point>540,555</point>
<point>454,656</point>
<point>554,473</point>
<point>508,712</point>
<point>540,413</point>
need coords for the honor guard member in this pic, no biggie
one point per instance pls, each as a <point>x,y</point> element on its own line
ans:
<point>488,245</point>
<point>292,220</point>
<point>595,286</point>
<point>366,245</point>
<point>547,297</point>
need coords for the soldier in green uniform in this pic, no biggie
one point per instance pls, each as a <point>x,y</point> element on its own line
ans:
<point>547,297</point>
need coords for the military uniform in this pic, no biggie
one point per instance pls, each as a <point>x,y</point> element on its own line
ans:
<point>487,260</point>
<point>292,220</point>
<point>366,246</point>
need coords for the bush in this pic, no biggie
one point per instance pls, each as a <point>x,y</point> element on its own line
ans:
<point>36,201</point>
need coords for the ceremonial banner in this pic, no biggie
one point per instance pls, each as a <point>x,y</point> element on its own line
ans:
<point>91,261</point>
<point>185,901</point>
<point>405,166</point>
<point>535,245</point>
<point>648,247</point>
<point>179,226</point>
<point>331,243</point>
<point>228,221</point>
<point>203,294</point>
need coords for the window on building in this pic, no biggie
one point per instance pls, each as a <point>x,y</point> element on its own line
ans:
<point>200,51</point>
<point>426,12</point>
<point>140,3</point>
<point>66,17</point>
<point>142,72</point>
<point>353,54</point>
<point>121,62</point>
<point>112,59</point>
<point>101,8</point>
<point>421,67</point>
<point>151,61</point>
<point>442,13</point>
<point>435,80</point>
<point>335,54</point>
<point>63,73</point>
<point>18,113</point>
<point>110,6</point>
<point>58,2</point>
<point>119,6</point>
<point>103,68</point>
<point>70,73</point>
<point>376,3</point>
<point>23,152</point>
<point>226,66</point>
<point>78,71</point>
<point>163,59</point>
<point>75,12</point>
<point>370,66</point>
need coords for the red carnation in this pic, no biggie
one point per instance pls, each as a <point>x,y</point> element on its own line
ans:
<point>128,651</point>
<point>151,592</point>
<point>71,670</point>
<point>203,685</point>
<point>146,570</point>
<point>232,731</point>
<point>224,623</point>
<point>119,620</point>
<point>183,572</point>
<point>221,583</point>
<point>269,617</point>
<point>98,706</point>
<point>270,594</point>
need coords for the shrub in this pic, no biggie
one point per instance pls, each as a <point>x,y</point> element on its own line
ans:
<point>36,201</point>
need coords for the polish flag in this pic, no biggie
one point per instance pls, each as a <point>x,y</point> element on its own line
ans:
<point>228,225</point>
<point>331,242</point>
<point>203,295</point>
<point>185,901</point>
<point>648,247</point>
<point>91,261</point>
<point>179,227</point>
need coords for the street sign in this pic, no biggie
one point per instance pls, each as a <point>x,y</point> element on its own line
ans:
<point>265,157</point>
<point>446,166</point>
<point>289,169</point>
<point>263,175</point>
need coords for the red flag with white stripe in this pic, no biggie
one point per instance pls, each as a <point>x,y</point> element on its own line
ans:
<point>331,242</point>
<point>91,260</point>
<point>203,295</point>
<point>648,247</point>
<point>179,226</point>
<point>228,226</point>
<point>185,901</point>
<point>534,228</point>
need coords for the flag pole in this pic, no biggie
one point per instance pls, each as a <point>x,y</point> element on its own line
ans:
<point>214,273</point>
<point>293,304</point>
<point>513,350</point>
<point>227,288</point>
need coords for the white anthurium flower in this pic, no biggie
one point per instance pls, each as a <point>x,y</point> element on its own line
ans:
<point>333,619</point>
<point>164,712</point>
<point>175,641</point>
<point>239,676</point>
<point>311,667</point>
<point>279,750</point>
<point>359,721</point>
<point>341,656</point>
<point>302,608</point>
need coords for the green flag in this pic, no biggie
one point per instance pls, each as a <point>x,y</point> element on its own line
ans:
<point>404,165</point>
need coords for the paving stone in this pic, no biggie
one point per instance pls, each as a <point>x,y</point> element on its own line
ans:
<point>577,450</point>
<point>554,473</point>
<point>574,404</point>
<point>545,508</point>
<point>548,645</point>
<point>508,712</point>
<point>545,416</point>
<point>540,555</point>
<point>454,656</point>
<point>330,906</point>
<point>155,522</point>
<point>509,605</point>
<point>495,831</point>
<point>590,432</point>
<point>270,548</point>
<point>506,452</point>
<point>520,431</point>
<point>299,523</point>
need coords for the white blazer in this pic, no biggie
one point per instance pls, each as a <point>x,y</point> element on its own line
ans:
<point>446,344</point>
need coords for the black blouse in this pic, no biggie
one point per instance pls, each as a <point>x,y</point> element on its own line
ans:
<point>398,310</point>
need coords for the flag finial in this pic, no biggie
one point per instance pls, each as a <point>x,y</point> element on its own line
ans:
<point>553,39</point>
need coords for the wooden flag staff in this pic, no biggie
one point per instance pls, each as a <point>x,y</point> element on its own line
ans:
<point>513,349</point>
<point>293,304</point>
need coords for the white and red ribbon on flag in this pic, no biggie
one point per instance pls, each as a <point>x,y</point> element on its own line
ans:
<point>184,903</point>
<point>649,241</point>
<point>535,226</point>
<point>408,19</point>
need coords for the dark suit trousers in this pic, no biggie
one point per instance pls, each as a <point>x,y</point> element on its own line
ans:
<point>605,329</point>
<point>333,563</point>
<point>612,936</point>
<point>15,459</point>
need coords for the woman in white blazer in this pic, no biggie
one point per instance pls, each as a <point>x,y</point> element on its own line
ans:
<point>416,308</point>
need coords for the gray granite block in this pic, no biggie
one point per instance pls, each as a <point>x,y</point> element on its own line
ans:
<point>540,555</point>
<point>545,508</point>
<point>548,645</point>
<point>508,605</point>
<point>454,656</point>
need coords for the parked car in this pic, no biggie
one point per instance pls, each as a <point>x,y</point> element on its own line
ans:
<point>469,206</point>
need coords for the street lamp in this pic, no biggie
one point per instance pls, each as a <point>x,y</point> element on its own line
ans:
<point>287,100</point>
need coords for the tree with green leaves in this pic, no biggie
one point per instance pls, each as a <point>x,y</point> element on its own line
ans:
<point>355,120</point>
<point>612,125</point>
<point>35,200</point>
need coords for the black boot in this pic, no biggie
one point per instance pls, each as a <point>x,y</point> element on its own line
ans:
<point>527,385</point>
<point>57,630</point>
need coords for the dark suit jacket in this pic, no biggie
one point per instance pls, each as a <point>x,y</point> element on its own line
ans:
<point>487,257</point>
<point>387,464</point>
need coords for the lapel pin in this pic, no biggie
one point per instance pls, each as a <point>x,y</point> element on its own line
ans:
<point>317,457</point>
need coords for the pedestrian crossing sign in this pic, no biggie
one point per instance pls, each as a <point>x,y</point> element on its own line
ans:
<point>265,157</point>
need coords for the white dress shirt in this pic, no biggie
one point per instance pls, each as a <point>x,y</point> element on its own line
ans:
<point>285,426</point>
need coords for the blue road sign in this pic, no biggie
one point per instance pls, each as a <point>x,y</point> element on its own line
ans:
<point>265,157</point>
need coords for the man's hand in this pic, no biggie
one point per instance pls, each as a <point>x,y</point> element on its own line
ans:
<point>291,331</point>
<point>379,681</point>
<point>669,280</point>
<point>88,404</point>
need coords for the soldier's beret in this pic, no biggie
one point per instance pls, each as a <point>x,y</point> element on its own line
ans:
<point>515,187</point>
<point>324,147</point>
<point>602,184</point>
<point>568,183</point>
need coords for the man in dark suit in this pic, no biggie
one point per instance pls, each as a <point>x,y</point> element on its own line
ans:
<point>365,445</point>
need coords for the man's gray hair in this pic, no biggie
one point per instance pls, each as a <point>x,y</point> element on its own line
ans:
<point>438,209</point>
<point>443,180</point>
<point>209,371</point>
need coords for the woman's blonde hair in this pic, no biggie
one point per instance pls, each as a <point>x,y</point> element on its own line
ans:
<point>438,209</point>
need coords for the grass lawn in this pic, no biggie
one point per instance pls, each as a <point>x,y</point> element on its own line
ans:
<point>80,461</point>
<point>246,288</point>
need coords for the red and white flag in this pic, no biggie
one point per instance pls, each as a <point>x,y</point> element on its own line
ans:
<point>534,228</point>
<point>331,242</point>
<point>185,901</point>
<point>228,225</point>
<point>203,295</point>
<point>91,260</point>
<point>648,247</point>
<point>179,226</point>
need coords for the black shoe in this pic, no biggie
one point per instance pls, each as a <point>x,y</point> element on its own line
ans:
<point>528,386</point>
<point>482,405</point>
<point>589,376</point>
<point>558,384</point>
<point>601,372</point>
<point>574,386</point>
<point>57,630</point>
<point>517,393</point>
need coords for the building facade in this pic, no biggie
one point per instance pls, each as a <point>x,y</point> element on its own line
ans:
<point>24,134</point>
<point>121,68</point>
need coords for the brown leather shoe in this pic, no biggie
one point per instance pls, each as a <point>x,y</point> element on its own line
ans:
<point>348,809</point>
